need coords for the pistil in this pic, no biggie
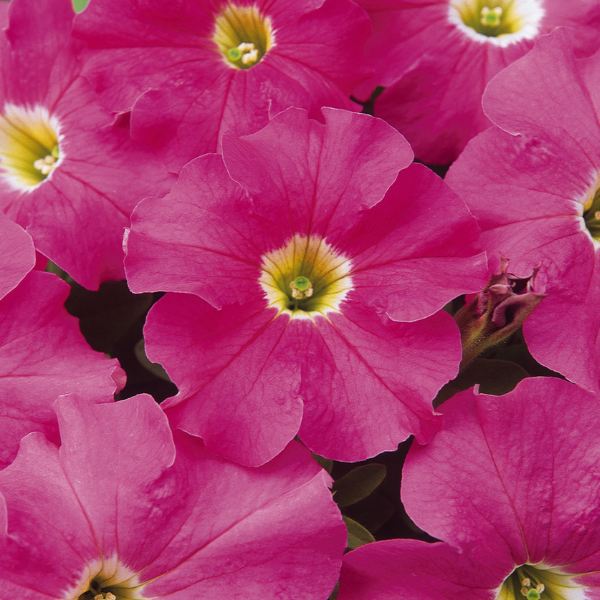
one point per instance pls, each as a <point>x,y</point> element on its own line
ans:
<point>491,17</point>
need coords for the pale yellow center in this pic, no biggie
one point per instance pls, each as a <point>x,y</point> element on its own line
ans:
<point>29,145</point>
<point>305,277</point>
<point>243,35</point>
<point>529,582</point>
<point>107,580</point>
<point>499,21</point>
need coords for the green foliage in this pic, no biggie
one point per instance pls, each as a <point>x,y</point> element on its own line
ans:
<point>358,484</point>
<point>357,534</point>
<point>79,5</point>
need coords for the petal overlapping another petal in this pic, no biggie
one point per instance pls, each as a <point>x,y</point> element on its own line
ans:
<point>158,516</point>
<point>44,355</point>
<point>315,59</point>
<point>315,179</point>
<point>528,490</point>
<point>417,249</point>
<point>374,378</point>
<point>247,360</point>
<point>17,255</point>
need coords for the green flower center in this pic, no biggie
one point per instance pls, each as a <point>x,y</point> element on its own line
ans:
<point>29,145</point>
<point>497,18</point>
<point>591,216</point>
<point>112,581</point>
<point>242,35</point>
<point>537,583</point>
<point>305,277</point>
<point>97,591</point>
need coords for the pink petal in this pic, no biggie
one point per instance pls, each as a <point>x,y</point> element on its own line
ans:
<point>368,382</point>
<point>514,478</point>
<point>206,239</point>
<point>244,401</point>
<point>315,179</point>
<point>44,355</point>
<point>400,569</point>
<point>44,535</point>
<point>400,261</point>
<point>17,255</point>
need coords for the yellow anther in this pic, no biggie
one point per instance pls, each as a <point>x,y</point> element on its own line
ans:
<point>250,57</point>
<point>45,165</point>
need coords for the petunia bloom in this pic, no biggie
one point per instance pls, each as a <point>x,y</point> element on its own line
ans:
<point>313,280</point>
<point>533,184</point>
<point>210,66</point>
<point>126,508</point>
<point>436,58</point>
<point>68,174</point>
<point>511,487</point>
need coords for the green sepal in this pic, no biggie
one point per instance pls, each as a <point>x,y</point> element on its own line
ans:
<point>357,534</point>
<point>358,484</point>
<point>325,463</point>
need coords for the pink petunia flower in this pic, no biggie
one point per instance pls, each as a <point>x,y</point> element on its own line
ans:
<point>68,174</point>
<point>511,485</point>
<point>44,355</point>
<point>317,271</point>
<point>533,183</point>
<point>210,66</point>
<point>435,59</point>
<point>126,508</point>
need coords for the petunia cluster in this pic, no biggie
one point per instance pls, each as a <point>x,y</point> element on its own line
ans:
<point>246,244</point>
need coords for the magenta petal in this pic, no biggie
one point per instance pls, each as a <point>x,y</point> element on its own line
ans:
<point>361,363</point>
<point>437,105</point>
<point>568,320</point>
<point>45,539</point>
<point>403,263</point>
<point>512,479</point>
<point>124,501</point>
<point>203,238</point>
<point>42,61</point>
<point>17,255</point>
<point>555,99</point>
<point>402,569</point>
<point>291,168</point>
<point>113,455</point>
<point>44,355</point>
<point>244,401</point>
<point>284,540</point>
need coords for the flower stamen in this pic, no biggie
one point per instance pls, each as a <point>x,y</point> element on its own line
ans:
<point>305,277</point>
<point>242,35</point>
<point>499,22</point>
<point>491,16</point>
<point>29,146</point>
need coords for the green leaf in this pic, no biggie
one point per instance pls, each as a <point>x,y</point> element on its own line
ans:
<point>358,484</point>
<point>357,534</point>
<point>325,463</point>
<point>79,5</point>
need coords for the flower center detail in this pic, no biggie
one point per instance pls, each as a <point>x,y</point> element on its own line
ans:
<point>591,216</point>
<point>29,145</point>
<point>110,581</point>
<point>538,583</point>
<point>501,22</point>
<point>305,277</point>
<point>97,591</point>
<point>243,35</point>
